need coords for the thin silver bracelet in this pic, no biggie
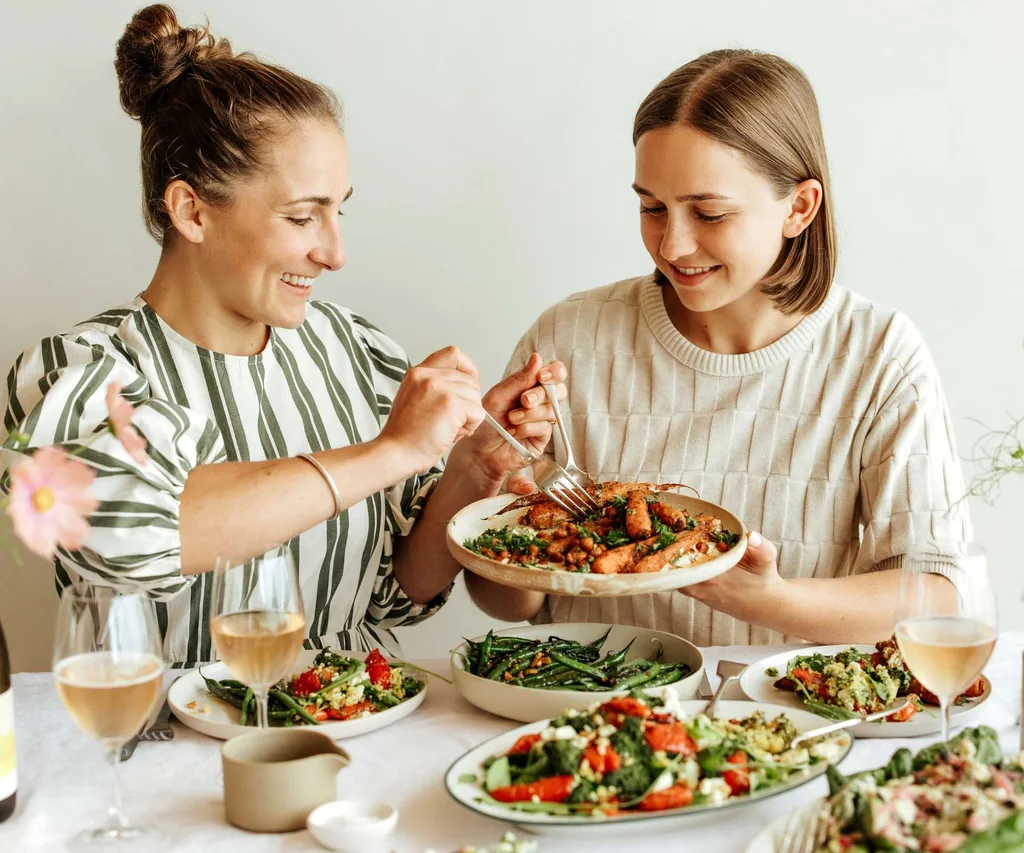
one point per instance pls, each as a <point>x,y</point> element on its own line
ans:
<point>312,460</point>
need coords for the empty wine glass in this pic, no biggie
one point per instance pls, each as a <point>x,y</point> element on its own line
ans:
<point>257,622</point>
<point>946,631</point>
<point>108,668</point>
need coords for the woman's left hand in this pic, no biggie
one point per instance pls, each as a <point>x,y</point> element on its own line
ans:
<point>749,589</point>
<point>519,404</point>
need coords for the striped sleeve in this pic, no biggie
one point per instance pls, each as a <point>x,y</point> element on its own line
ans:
<point>911,481</point>
<point>389,606</point>
<point>57,396</point>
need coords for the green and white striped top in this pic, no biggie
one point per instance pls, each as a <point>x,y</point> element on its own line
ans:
<point>330,383</point>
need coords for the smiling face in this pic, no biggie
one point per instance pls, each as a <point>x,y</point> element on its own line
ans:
<point>261,252</point>
<point>712,225</point>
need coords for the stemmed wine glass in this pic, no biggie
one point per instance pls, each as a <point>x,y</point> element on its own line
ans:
<point>946,631</point>
<point>257,622</point>
<point>108,668</point>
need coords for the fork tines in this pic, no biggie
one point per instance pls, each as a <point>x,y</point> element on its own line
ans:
<point>571,497</point>
<point>804,831</point>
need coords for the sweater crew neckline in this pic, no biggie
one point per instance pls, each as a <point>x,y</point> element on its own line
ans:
<point>720,364</point>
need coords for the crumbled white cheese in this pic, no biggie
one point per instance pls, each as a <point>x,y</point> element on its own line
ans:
<point>669,703</point>
<point>828,750</point>
<point>715,789</point>
<point>355,695</point>
<point>794,757</point>
<point>663,781</point>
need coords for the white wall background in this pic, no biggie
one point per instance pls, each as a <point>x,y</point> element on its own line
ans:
<point>491,160</point>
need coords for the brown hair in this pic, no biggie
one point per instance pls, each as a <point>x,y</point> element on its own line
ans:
<point>764,107</point>
<point>206,113</point>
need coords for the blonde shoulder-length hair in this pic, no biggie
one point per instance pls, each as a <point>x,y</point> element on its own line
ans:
<point>764,107</point>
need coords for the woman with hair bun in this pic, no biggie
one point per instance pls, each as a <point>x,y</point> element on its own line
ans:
<point>738,366</point>
<point>268,418</point>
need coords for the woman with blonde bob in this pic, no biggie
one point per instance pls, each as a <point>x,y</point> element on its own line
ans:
<point>741,368</point>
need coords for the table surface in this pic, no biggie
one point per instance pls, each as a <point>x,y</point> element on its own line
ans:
<point>64,784</point>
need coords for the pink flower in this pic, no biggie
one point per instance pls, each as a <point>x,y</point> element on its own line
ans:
<point>121,414</point>
<point>49,501</point>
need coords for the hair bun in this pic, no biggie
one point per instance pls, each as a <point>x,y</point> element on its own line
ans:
<point>155,51</point>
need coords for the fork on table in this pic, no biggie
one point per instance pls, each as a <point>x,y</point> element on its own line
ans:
<point>804,830</point>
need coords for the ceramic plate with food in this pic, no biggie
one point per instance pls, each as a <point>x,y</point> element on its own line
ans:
<point>644,538</point>
<point>343,694</point>
<point>515,676</point>
<point>839,682</point>
<point>961,795</point>
<point>639,762</point>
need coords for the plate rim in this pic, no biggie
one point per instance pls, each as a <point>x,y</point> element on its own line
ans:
<point>329,728</point>
<point>596,586</point>
<point>526,819</point>
<point>865,730</point>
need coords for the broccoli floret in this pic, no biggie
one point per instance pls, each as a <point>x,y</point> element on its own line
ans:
<point>410,686</point>
<point>579,722</point>
<point>630,781</point>
<point>325,657</point>
<point>381,699</point>
<point>629,740</point>
<point>563,757</point>
<point>581,793</point>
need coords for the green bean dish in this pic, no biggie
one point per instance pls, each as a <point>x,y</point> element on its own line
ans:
<point>559,664</point>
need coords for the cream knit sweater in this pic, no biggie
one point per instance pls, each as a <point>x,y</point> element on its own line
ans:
<point>834,442</point>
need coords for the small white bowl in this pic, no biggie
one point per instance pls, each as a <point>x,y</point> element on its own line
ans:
<point>352,826</point>
<point>529,704</point>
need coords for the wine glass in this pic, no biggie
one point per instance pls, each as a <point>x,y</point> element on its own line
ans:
<point>108,668</point>
<point>946,632</point>
<point>256,621</point>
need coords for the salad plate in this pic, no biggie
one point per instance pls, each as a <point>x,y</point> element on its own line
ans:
<point>961,795</point>
<point>691,768</point>
<point>192,702</point>
<point>758,683</point>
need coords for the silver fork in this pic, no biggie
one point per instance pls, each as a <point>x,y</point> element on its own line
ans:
<point>550,477</point>
<point>571,468</point>
<point>804,831</point>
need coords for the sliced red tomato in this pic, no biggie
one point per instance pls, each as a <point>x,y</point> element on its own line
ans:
<point>671,798</point>
<point>524,744</point>
<point>604,762</point>
<point>319,716</point>
<point>626,705</point>
<point>554,789</point>
<point>305,683</point>
<point>349,711</point>
<point>670,737</point>
<point>808,677</point>
<point>378,669</point>
<point>738,780</point>
<point>905,714</point>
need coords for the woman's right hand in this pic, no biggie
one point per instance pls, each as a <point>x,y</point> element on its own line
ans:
<point>437,403</point>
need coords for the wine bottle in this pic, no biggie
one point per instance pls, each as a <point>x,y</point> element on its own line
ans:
<point>8,774</point>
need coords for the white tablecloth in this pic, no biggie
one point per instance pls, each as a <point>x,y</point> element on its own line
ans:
<point>64,784</point>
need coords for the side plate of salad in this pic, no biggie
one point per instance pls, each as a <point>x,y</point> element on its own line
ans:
<point>962,795</point>
<point>639,761</point>
<point>833,681</point>
<point>344,694</point>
